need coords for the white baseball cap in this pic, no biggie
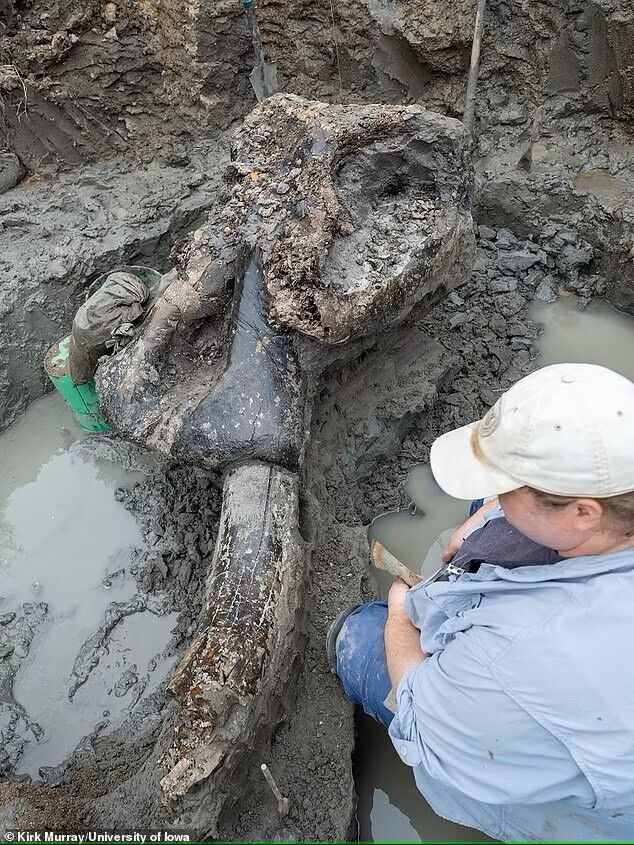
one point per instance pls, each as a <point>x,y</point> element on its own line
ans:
<point>565,429</point>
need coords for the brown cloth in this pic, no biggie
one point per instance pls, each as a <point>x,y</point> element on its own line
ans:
<point>104,322</point>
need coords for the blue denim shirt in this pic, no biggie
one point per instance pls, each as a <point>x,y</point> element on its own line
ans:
<point>521,722</point>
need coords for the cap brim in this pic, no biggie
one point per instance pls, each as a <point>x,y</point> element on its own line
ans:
<point>459,471</point>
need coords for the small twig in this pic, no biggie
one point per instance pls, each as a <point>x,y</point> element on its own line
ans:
<point>282,803</point>
<point>22,107</point>
<point>474,70</point>
<point>336,43</point>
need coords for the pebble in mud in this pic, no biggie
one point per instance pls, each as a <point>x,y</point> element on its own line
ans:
<point>125,683</point>
<point>12,171</point>
<point>546,291</point>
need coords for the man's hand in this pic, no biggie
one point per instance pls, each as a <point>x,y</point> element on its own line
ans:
<point>402,639</point>
<point>457,538</point>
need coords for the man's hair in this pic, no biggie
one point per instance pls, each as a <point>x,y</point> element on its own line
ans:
<point>619,510</point>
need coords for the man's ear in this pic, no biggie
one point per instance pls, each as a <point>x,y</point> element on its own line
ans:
<point>588,511</point>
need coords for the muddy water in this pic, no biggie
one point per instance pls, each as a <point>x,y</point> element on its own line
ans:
<point>390,806</point>
<point>67,542</point>
<point>597,335</point>
<point>418,535</point>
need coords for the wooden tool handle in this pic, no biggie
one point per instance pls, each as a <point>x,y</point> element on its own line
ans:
<point>385,560</point>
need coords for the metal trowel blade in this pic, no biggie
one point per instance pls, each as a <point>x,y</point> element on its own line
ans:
<point>264,80</point>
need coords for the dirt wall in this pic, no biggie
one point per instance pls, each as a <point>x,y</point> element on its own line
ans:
<point>90,80</point>
<point>58,235</point>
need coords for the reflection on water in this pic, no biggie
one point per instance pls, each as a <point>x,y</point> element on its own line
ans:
<point>390,806</point>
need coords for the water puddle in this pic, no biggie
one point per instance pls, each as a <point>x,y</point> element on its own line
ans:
<point>66,548</point>
<point>598,335</point>
<point>390,806</point>
<point>391,809</point>
<point>417,536</point>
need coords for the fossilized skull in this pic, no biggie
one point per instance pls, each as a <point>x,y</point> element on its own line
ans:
<point>346,217</point>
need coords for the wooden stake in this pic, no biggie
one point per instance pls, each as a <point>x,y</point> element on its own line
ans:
<point>384,559</point>
<point>474,70</point>
<point>282,803</point>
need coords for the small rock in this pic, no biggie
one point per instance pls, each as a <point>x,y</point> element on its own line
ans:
<point>515,329</point>
<point>37,731</point>
<point>455,399</point>
<point>503,284</point>
<point>547,291</point>
<point>505,239</point>
<point>570,257</point>
<point>346,227</point>
<point>508,304</point>
<point>21,647</point>
<point>12,171</point>
<point>7,618</point>
<point>282,188</point>
<point>52,775</point>
<point>125,683</point>
<point>512,117</point>
<point>583,302</point>
<point>486,233</point>
<point>110,12</point>
<point>35,608</point>
<point>497,324</point>
<point>568,235</point>
<point>520,343</point>
<point>516,261</point>
<point>455,299</point>
<point>459,319</point>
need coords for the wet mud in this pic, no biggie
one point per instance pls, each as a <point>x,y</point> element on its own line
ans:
<point>98,598</point>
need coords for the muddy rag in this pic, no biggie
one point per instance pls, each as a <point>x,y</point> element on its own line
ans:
<point>104,322</point>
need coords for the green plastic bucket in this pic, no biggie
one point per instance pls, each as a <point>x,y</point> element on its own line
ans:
<point>82,399</point>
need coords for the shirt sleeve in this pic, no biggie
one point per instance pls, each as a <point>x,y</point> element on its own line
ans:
<point>457,724</point>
